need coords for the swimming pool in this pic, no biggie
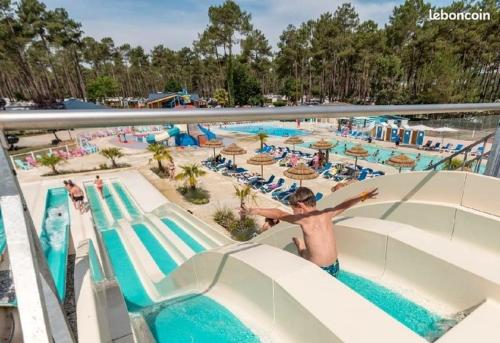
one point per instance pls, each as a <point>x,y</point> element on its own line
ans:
<point>196,318</point>
<point>415,317</point>
<point>378,154</point>
<point>270,130</point>
<point>54,236</point>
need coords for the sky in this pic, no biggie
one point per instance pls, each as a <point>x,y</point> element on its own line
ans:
<point>176,23</point>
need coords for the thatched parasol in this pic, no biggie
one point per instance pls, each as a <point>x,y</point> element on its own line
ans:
<point>261,160</point>
<point>401,161</point>
<point>294,140</point>
<point>233,150</point>
<point>357,151</point>
<point>301,172</point>
<point>214,144</point>
<point>323,145</point>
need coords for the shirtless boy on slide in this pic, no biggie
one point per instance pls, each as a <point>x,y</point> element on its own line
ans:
<point>319,245</point>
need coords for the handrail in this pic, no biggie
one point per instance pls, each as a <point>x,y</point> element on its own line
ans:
<point>463,150</point>
<point>67,119</point>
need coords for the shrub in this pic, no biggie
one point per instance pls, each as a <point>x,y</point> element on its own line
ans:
<point>224,217</point>
<point>243,229</point>
<point>453,164</point>
<point>197,196</point>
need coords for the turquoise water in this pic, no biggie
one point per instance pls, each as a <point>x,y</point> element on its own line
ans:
<point>130,284</point>
<point>95,266</point>
<point>164,261</point>
<point>98,214</point>
<point>3,241</point>
<point>380,154</point>
<point>133,291</point>
<point>183,235</point>
<point>54,236</point>
<point>270,130</point>
<point>127,201</point>
<point>415,317</point>
<point>112,204</point>
<point>198,319</point>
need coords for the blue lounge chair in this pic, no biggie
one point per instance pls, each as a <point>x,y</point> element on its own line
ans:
<point>283,155</point>
<point>318,196</point>
<point>261,182</point>
<point>427,145</point>
<point>479,151</point>
<point>325,168</point>
<point>271,187</point>
<point>447,146</point>
<point>436,146</point>
<point>458,148</point>
<point>279,194</point>
<point>363,174</point>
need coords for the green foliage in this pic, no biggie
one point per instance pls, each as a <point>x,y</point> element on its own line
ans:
<point>112,154</point>
<point>220,95</point>
<point>197,196</point>
<point>279,103</point>
<point>51,161</point>
<point>224,217</point>
<point>246,87</point>
<point>244,194</point>
<point>190,174</point>
<point>160,153</point>
<point>243,229</point>
<point>336,56</point>
<point>102,87</point>
<point>453,164</point>
<point>173,85</point>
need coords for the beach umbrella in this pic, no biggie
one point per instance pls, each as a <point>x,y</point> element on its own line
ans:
<point>294,140</point>
<point>401,161</point>
<point>214,144</point>
<point>301,172</point>
<point>443,130</point>
<point>322,145</point>
<point>233,150</point>
<point>261,160</point>
<point>356,151</point>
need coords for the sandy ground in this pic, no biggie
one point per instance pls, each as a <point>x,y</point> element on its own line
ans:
<point>220,187</point>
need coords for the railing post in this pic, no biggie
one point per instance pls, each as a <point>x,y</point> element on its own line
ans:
<point>465,159</point>
<point>493,165</point>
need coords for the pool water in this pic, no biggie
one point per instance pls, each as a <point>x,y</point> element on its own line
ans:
<point>188,319</point>
<point>198,319</point>
<point>3,240</point>
<point>415,317</point>
<point>378,154</point>
<point>164,261</point>
<point>183,235</point>
<point>126,200</point>
<point>270,130</point>
<point>54,236</point>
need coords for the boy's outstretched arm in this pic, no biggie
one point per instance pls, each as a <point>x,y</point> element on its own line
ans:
<point>335,211</point>
<point>273,213</point>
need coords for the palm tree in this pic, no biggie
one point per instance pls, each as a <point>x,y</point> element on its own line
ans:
<point>112,154</point>
<point>190,173</point>
<point>262,137</point>
<point>51,161</point>
<point>160,153</point>
<point>244,194</point>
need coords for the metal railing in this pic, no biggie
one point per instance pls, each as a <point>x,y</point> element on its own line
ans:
<point>67,119</point>
<point>466,150</point>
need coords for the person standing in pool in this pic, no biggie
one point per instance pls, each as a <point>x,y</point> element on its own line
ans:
<point>77,195</point>
<point>99,185</point>
<point>319,243</point>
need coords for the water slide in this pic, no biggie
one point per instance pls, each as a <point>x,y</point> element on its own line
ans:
<point>183,279</point>
<point>165,135</point>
